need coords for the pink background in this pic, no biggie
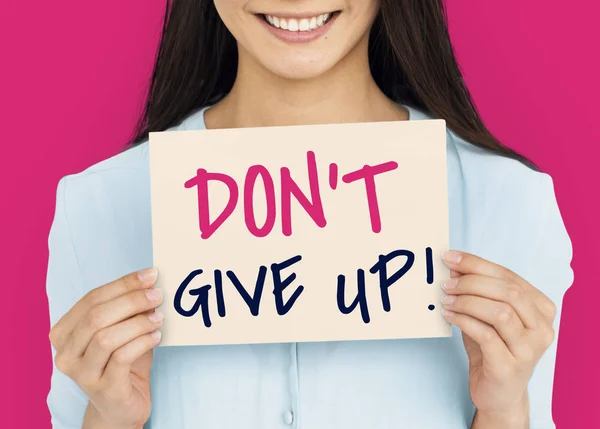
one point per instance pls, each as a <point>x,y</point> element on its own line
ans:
<point>72,80</point>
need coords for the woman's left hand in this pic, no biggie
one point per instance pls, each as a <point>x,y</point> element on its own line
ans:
<point>506,325</point>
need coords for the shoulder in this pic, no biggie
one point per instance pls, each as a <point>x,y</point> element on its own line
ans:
<point>491,177</point>
<point>503,179</point>
<point>92,197</point>
<point>103,213</point>
<point>114,171</point>
<point>513,216</point>
<point>507,212</point>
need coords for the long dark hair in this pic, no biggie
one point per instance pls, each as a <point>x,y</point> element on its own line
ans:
<point>410,55</point>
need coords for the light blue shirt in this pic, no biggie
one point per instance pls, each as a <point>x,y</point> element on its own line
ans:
<point>499,209</point>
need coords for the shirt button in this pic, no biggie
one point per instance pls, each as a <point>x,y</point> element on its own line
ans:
<point>288,417</point>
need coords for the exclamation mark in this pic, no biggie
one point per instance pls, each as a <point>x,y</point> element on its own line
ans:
<point>429,265</point>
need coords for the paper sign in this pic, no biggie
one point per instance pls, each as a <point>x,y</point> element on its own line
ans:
<point>300,233</point>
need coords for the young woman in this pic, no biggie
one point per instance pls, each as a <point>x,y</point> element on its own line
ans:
<point>249,63</point>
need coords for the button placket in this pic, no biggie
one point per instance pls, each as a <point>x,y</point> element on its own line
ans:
<point>290,417</point>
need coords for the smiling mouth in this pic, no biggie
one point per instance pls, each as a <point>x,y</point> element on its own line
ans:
<point>299,24</point>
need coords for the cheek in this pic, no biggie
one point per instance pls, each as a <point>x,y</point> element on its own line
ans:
<point>232,14</point>
<point>362,14</point>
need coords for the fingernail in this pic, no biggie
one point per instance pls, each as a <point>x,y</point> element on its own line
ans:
<point>447,314</point>
<point>156,317</point>
<point>448,300</point>
<point>156,336</point>
<point>452,256</point>
<point>147,275</point>
<point>154,294</point>
<point>450,283</point>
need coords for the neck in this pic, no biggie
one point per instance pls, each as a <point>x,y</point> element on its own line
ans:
<point>345,93</point>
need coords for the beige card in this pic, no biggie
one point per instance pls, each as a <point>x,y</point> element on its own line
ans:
<point>300,233</point>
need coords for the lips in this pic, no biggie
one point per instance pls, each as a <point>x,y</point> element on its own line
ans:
<point>298,28</point>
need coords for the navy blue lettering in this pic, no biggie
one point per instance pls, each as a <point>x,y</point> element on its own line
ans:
<point>201,301</point>
<point>280,285</point>
<point>253,302</point>
<point>384,281</point>
<point>361,297</point>
<point>429,258</point>
<point>219,291</point>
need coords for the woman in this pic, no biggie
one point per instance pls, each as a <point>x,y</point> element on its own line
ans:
<point>248,63</point>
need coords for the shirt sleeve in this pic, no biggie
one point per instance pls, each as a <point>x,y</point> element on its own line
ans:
<point>550,271</point>
<point>66,401</point>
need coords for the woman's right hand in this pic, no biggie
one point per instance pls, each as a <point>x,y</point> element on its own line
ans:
<point>104,344</point>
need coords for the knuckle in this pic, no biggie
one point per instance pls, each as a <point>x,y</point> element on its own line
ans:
<point>462,302</point>
<point>508,275</point>
<point>488,335</point>
<point>120,357</point>
<point>53,335</point>
<point>548,336</point>
<point>503,314</point>
<point>552,309</point>
<point>92,298</point>
<point>104,340</point>
<point>136,302</point>
<point>131,281</point>
<point>61,363</point>
<point>514,292</point>
<point>94,319</point>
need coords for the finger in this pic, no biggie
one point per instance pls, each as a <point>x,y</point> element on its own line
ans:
<point>109,313</point>
<point>499,315</point>
<point>493,348</point>
<point>467,263</point>
<point>120,362</point>
<point>546,306</point>
<point>108,340</point>
<point>134,281</point>
<point>519,298</point>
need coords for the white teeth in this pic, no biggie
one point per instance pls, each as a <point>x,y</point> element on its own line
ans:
<point>292,24</point>
<point>304,24</point>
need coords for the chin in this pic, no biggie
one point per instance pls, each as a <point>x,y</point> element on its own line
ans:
<point>299,70</point>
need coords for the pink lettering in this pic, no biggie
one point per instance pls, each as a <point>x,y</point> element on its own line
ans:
<point>368,173</point>
<point>267,180</point>
<point>312,205</point>
<point>201,181</point>
<point>289,187</point>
